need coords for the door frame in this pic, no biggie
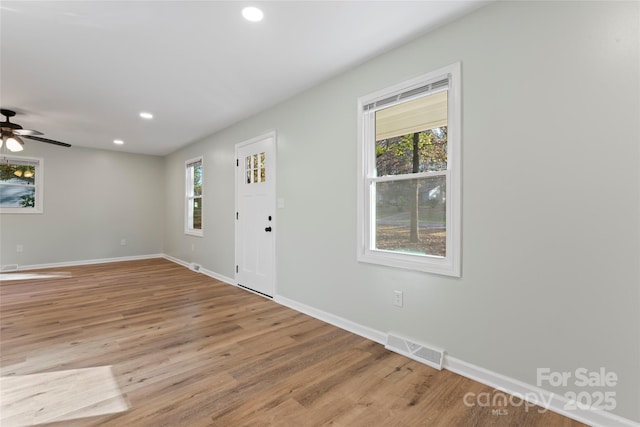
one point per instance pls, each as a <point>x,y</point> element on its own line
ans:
<point>273,135</point>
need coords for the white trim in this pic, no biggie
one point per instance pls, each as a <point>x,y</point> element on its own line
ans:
<point>449,265</point>
<point>244,288</point>
<point>176,260</point>
<point>407,85</point>
<point>274,136</point>
<point>194,233</point>
<point>214,275</point>
<point>535,395</point>
<point>408,177</point>
<point>220,277</point>
<point>187,197</point>
<point>38,184</point>
<point>204,271</point>
<point>86,262</point>
<point>531,393</point>
<point>340,322</point>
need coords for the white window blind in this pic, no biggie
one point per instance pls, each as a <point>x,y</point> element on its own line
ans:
<point>439,85</point>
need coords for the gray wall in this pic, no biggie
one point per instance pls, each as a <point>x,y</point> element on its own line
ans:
<point>214,251</point>
<point>92,200</point>
<point>551,188</point>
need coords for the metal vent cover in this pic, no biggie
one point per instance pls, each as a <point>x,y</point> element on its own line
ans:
<point>9,267</point>
<point>422,353</point>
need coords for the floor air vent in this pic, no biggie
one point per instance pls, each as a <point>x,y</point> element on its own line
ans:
<point>195,267</point>
<point>419,352</point>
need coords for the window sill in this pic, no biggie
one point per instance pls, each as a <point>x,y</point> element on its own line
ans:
<point>425,264</point>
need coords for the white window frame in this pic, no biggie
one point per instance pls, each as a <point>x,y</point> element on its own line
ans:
<point>38,183</point>
<point>450,264</point>
<point>189,196</point>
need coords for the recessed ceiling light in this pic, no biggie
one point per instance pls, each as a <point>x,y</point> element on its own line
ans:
<point>252,14</point>
<point>146,115</point>
<point>118,141</point>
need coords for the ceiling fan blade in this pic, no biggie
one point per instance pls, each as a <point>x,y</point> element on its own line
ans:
<point>50,141</point>
<point>24,132</point>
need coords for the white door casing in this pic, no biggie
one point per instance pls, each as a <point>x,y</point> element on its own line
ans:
<point>255,214</point>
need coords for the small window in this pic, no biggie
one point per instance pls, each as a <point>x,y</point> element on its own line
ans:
<point>409,181</point>
<point>21,185</point>
<point>255,169</point>
<point>193,210</point>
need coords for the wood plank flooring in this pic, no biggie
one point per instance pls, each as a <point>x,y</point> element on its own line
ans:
<point>187,350</point>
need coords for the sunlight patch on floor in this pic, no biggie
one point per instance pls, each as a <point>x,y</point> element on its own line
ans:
<point>28,276</point>
<point>28,400</point>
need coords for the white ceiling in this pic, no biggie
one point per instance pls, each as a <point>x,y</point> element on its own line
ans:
<point>81,71</point>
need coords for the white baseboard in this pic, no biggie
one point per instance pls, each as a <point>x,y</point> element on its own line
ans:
<point>334,320</point>
<point>530,393</point>
<point>511,386</point>
<point>204,271</point>
<point>175,260</point>
<point>536,395</point>
<point>217,276</point>
<point>85,262</point>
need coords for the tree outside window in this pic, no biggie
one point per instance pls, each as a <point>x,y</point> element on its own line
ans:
<point>194,197</point>
<point>20,185</point>
<point>409,188</point>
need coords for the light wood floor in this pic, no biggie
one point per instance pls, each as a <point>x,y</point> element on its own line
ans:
<point>150,343</point>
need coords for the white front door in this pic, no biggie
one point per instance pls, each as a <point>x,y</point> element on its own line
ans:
<point>255,214</point>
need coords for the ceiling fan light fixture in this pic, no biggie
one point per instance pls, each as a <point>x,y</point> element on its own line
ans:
<point>10,132</point>
<point>14,144</point>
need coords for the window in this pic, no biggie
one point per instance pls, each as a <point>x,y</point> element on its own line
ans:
<point>254,168</point>
<point>20,185</point>
<point>193,205</point>
<point>409,174</point>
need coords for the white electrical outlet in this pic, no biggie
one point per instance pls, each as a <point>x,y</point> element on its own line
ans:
<point>397,298</point>
<point>123,242</point>
<point>19,248</point>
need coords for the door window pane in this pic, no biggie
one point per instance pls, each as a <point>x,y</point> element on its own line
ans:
<point>255,168</point>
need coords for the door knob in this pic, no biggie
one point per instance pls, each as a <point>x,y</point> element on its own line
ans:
<point>268,229</point>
